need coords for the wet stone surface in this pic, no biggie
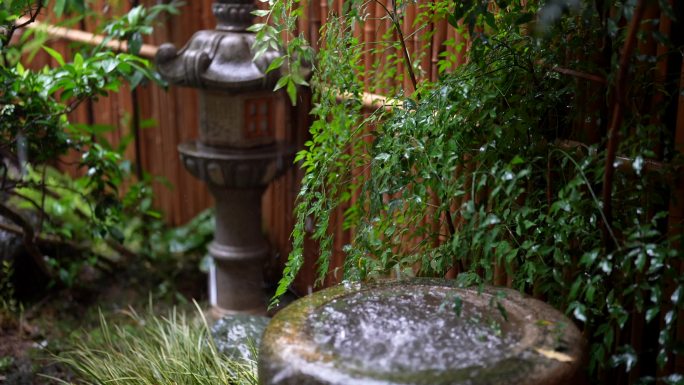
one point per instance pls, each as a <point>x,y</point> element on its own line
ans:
<point>238,336</point>
<point>419,332</point>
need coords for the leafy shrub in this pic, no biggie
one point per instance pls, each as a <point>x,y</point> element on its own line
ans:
<point>84,215</point>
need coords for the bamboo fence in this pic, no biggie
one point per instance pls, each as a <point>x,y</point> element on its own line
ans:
<point>175,116</point>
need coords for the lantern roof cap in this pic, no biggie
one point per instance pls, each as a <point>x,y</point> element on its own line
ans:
<point>222,58</point>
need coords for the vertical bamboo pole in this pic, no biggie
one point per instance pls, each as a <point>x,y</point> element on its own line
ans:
<point>676,221</point>
<point>437,48</point>
<point>407,27</point>
<point>315,23</point>
<point>660,77</point>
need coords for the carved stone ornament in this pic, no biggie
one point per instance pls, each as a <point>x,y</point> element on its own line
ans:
<point>233,15</point>
<point>220,59</point>
<point>236,168</point>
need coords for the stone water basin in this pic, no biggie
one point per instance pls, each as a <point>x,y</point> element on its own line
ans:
<point>421,331</point>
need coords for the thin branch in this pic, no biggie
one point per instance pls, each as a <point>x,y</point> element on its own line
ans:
<point>32,16</point>
<point>450,222</point>
<point>579,74</point>
<point>23,22</point>
<point>5,170</point>
<point>29,200</point>
<point>407,57</point>
<point>409,68</point>
<point>42,200</point>
<point>121,249</point>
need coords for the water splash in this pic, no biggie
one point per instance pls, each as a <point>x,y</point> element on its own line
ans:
<point>407,329</point>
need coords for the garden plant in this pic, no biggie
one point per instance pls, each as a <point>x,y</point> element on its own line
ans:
<point>546,160</point>
<point>68,192</point>
<point>76,215</point>
<point>150,349</point>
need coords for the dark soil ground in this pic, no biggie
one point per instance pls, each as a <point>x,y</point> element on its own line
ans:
<point>32,336</point>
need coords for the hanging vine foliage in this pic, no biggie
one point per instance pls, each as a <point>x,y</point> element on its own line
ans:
<point>548,162</point>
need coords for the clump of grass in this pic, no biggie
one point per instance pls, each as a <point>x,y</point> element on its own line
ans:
<point>153,350</point>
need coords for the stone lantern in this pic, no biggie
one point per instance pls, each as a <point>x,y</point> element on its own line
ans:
<point>236,154</point>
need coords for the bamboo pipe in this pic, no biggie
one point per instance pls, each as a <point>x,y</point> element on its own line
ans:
<point>75,35</point>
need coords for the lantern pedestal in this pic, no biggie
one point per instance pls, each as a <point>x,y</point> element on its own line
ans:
<point>237,179</point>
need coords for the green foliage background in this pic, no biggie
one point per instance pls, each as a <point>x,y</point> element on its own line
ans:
<point>103,218</point>
<point>486,167</point>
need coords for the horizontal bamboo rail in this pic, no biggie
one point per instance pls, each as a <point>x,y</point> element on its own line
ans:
<point>369,100</point>
<point>76,35</point>
<point>149,51</point>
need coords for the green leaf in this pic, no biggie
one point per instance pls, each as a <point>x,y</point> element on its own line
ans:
<point>256,27</point>
<point>580,312</point>
<point>517,160</point>
<point>78,61</point>
<point>282,82</point>
<point>60,6</point>
<point>460,10</point>
<point>135,79</point>
<point>275,64</point>
<point>261,12</point>
<point>676,296</point>
<point>298,79</point>
<point>574,290</point>
<point>135,15</point>
<point>55,55</point>
<point>652,313</point>
<point>135,43</point>
<point>452,20</point>
<point>292,92</point>
<point>458,305</point>
<point>628,358</point>
<point>674,379</point>
<point>108,65</point>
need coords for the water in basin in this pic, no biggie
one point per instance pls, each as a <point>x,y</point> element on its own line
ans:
<point>410,328</point>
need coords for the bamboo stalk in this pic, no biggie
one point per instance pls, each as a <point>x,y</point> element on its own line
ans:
<point>75,35</point>
<point>616,119</point>
<point>438,39</point>
<point>315,23</point>
<point>676,219</point>
<point>368,39</point>
<point>661,75</point>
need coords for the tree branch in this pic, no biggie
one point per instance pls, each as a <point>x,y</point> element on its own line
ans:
<point>27,199</point>
<point>25,21</point>
<point>29,237</point>
<point>49,239</point>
